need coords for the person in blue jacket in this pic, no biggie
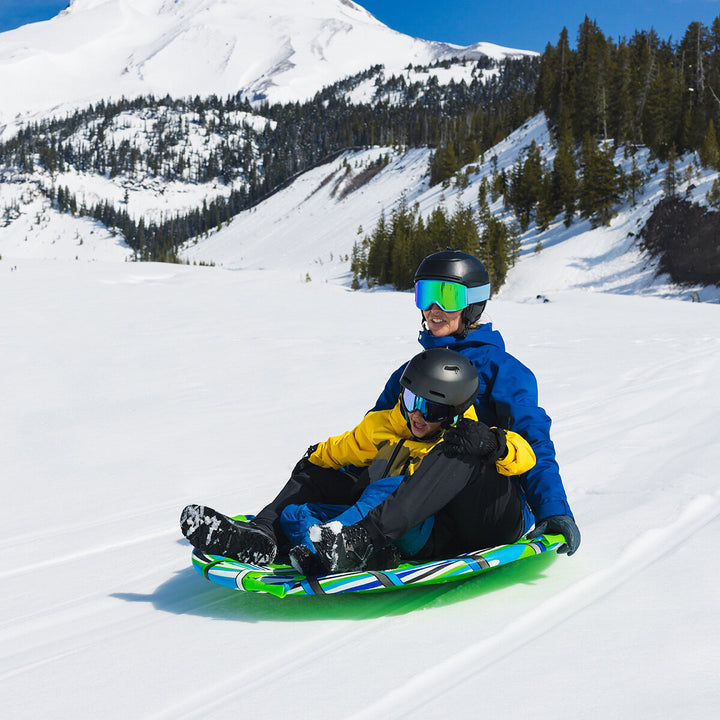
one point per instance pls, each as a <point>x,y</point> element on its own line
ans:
<point>432,482</point>
<point>428,495</point>
<point>452,289</point>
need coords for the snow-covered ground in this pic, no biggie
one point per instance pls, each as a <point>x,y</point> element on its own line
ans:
<point>129,390</point>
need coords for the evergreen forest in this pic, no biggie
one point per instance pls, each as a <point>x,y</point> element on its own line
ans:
<point>598,94</point>
<point>258,151</point>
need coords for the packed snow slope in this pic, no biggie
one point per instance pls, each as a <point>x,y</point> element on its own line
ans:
<point>274,50</point>
<point>129,390</point>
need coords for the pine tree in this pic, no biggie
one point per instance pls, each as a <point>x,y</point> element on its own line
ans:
<point>545,212</point>
<point>590,81</point>
<point>498,249</point>
<point>402,231</point>
<point>564,181</point>
<point>621,117</point>
<point>599,186</point>
<point>444,164</point>
<point>378,256</point>
<point>437,231</point>
<point>526,185</point>
<point>710,152</point>
<point>634,182</point>
<point>713,195</point>
<point>670,179</point>
<point>464,231</point>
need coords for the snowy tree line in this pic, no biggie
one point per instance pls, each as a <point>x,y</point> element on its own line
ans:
<point>599,96</point>
<point>391,253</point>
<point>641,91</point>
<point>256,151</point>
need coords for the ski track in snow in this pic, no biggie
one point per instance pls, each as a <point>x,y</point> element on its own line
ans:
<point>440,678</point>
<point>264,676</point>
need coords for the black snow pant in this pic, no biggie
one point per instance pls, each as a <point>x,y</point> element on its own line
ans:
<point>474,507</point>
<point>309,483</point>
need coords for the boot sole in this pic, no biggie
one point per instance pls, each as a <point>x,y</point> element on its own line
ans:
<point>218,534</point>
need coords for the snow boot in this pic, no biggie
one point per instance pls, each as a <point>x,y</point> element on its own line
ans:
<point>384,558</point>
<point>218,534</point>
<point>341,548</point>
<point>305,561</point>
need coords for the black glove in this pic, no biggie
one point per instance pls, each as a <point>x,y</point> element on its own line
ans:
<point>559,525</point>
<point>473,440</point>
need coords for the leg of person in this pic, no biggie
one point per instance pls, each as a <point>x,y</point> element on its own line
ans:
<point>257,541</point>
<point>340,544</point>
<point>310,484</point>
<point>488,512</point>
<point>421,495</point>
<point>296,521</point>
<point>415,499</point>
<point>468,505</point>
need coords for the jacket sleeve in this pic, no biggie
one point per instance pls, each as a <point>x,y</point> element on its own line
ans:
<point>514,395</point>
<point>519,458</point>
<point>354,447</point>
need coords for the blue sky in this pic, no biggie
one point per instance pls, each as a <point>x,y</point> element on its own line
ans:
<point>524,24</point>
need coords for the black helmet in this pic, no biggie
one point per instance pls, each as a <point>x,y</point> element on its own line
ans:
<point>456,266</point>
<point>442,377</point>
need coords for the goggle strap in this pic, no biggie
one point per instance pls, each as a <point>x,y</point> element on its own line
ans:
<point>478,294</point>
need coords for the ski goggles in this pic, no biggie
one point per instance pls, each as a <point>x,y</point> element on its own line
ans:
<point>448,296</point>
<point>432,412</point>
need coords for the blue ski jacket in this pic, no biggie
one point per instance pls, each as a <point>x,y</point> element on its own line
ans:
<point>508,399</point>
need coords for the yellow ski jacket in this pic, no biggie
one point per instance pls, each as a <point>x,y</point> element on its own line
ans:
<point>384,434</point>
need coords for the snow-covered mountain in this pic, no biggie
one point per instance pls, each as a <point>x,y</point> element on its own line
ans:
<point>161,47</point>
<point>275,50</point>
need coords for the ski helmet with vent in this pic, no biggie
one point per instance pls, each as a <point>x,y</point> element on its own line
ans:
<point>441,383</point>
<point>454,280</point>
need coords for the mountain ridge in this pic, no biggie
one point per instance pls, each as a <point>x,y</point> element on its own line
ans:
<point>107,49</point>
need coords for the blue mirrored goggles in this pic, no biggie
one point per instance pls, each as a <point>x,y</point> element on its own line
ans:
<point>431,411</point>
<point>448,296</point>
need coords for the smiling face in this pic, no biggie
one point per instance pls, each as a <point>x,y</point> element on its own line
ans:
<point>420,427</point>
<point>441,323</point>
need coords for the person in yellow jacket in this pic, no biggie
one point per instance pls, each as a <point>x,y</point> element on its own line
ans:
<point>436,481</point>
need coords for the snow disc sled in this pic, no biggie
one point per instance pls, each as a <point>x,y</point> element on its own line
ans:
<point>282,580</point>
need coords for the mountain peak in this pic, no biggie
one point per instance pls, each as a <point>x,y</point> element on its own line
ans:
<point>268,50</point>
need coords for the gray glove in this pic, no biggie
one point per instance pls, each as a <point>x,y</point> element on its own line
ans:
<point>559,525</point>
